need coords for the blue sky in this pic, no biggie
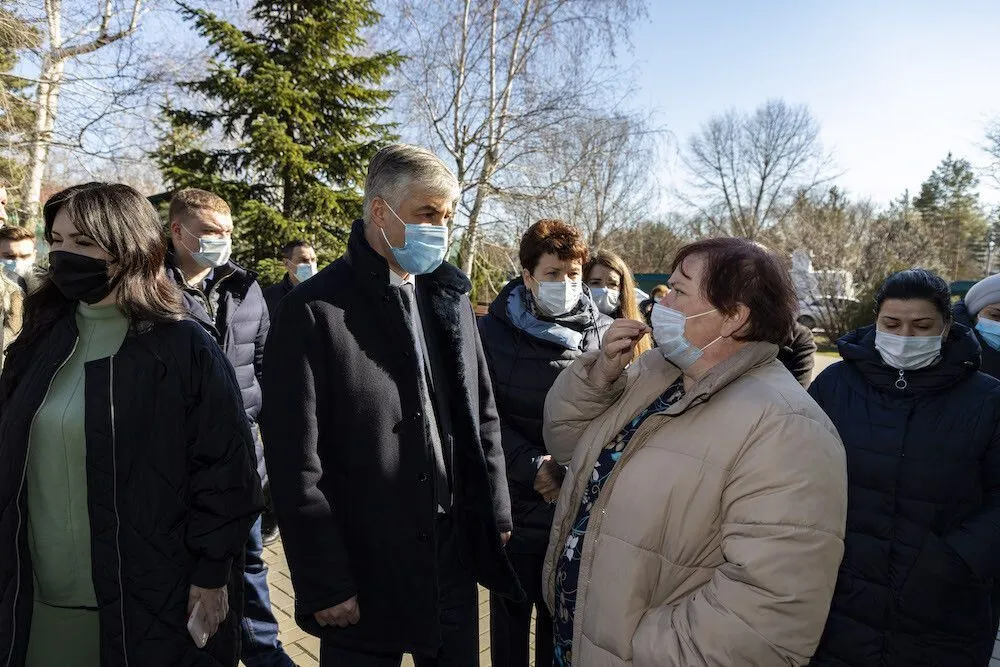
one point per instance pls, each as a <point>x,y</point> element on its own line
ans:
<point>894,84</point>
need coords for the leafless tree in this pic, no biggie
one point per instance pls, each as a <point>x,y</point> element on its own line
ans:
<point>485,79</point>
<point>593,172</point>
<point>846,237</point>
<point>650,246</point>
<point>746,169</point>
<point>74,32</point>
<point>992,149</point>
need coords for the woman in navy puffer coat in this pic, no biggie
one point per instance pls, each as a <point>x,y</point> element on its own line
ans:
<point>921,426</point>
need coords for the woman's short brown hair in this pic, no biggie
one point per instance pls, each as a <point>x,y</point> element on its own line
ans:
<point>738,271</point>
<point>554,237</point>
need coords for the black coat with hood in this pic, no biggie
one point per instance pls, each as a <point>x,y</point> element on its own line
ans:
<point>923,520</point>
<point>526,353</point>
<point>171,489</point>
<point>235,312</point>
<point>990,355</point>
<point>350,459</point>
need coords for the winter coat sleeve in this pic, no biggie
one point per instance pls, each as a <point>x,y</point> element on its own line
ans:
<point>783,514</point>
<point>519,451</point>
<point>490,434</point>
<point>799,356</point>
<point>977,539</point>
<point>224,488</point>
<point>261,340</point>
<point>573,402</point>
<point>294,370</point>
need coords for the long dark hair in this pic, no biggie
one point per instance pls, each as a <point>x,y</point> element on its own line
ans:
<point>123,224</point>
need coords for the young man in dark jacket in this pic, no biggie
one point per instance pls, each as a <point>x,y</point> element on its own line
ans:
<point>382,436</point>
<point>227,300</point>
<point>299,258</point>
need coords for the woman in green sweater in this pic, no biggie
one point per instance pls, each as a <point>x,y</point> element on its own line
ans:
<point>133,486</point>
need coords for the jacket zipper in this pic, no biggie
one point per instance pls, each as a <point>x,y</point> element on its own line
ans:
<point>114,486</point>
<point>20,491</point>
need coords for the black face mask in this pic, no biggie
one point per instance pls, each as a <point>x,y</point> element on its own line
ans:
<point>78,277</point>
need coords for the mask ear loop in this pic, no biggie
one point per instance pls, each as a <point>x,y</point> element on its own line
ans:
<point>395,215</point>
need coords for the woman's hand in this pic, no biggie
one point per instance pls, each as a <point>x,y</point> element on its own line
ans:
<point>214,606</point>
<point>618,349</point>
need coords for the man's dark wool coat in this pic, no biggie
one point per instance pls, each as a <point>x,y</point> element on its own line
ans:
<point>350,462</point>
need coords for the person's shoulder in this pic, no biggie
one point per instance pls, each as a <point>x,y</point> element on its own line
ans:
<point>980,384</point>
<point>832,374</point>
<point>186,331</point>
<point>770,391</point>
<point>273,290</point>
<point>323,288</point>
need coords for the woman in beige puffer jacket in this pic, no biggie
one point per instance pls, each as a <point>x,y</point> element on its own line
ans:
<point>702,518</point>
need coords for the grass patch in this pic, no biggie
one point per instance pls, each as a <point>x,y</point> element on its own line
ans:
<point>824,345</point>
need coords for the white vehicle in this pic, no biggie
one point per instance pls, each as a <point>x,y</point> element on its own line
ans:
<point>815,313</point>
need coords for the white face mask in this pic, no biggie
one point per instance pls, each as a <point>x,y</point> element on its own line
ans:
<point>668,332</point>
<point>304,272</point>
<point>212,253</point>
<point>559,297</point>
<point>606,299</point>
<point>907,353</point>
<point>21,267</point>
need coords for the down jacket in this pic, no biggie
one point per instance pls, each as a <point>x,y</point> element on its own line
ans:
<point>524,359</point>
<point>235,312</point>
<point>716,540</point>
<point>923,523</point>
<point>172,491</point>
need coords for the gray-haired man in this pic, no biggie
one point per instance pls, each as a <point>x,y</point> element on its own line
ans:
<point>383,442</point>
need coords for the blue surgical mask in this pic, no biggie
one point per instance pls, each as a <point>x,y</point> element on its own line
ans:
<point>212,253</point>
<point>305,271</point>
<point>424,247</point>
<point>989,331</point>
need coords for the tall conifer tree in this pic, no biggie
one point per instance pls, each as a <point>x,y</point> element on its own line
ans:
<point>292,112</point>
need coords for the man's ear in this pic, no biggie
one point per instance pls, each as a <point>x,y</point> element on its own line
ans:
<point>378,213</point>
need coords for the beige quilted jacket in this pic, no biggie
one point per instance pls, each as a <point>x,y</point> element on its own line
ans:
<point>716,540</point>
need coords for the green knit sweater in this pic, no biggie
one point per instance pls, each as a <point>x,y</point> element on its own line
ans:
<point>58,517</point>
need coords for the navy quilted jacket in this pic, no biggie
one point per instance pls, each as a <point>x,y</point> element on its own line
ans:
<point>523,367</point>
<point>923,516</point>
<point>234,310</point>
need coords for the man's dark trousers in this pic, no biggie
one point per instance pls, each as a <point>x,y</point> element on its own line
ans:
<point>459,616</point>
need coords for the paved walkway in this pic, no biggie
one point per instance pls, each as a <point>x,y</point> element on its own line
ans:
<point>304,648</point>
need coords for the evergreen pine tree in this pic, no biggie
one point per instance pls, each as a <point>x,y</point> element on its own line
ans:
<point>293,114</point>
<point>16,110</point>
<point>949,204</point>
